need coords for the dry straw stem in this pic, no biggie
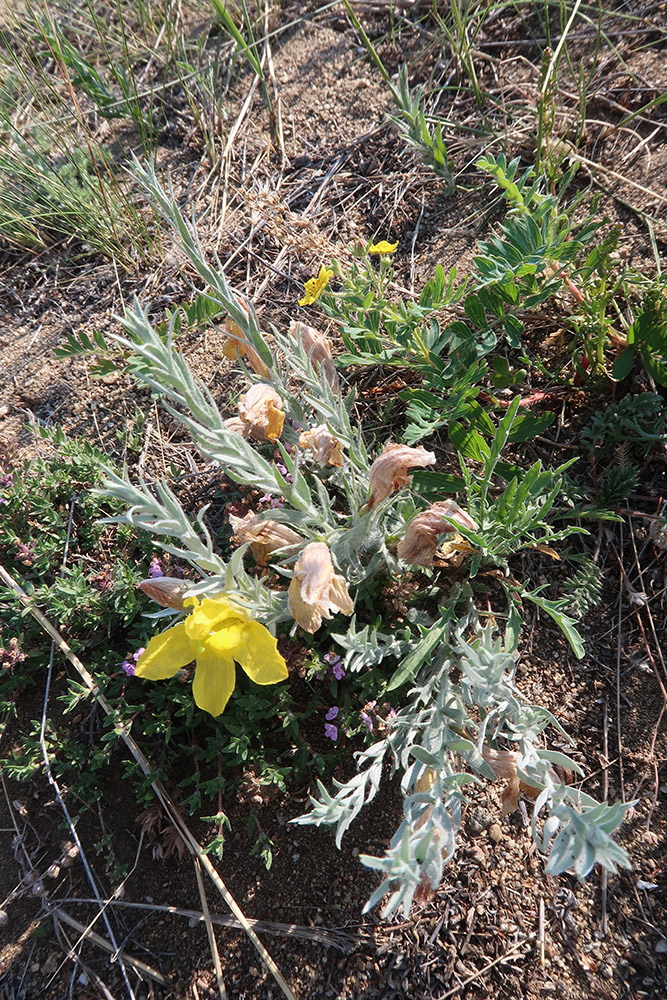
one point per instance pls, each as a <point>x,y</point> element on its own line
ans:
<point>59,915</point>
<point>345,943</point>
<point>193,846</point>
<point>213,944</point>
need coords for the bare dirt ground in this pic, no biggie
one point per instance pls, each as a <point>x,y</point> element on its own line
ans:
<point>497,927</point>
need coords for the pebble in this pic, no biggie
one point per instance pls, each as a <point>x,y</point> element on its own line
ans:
<point>479,820</point>
<point>496,832</point>
<point>4,919</point>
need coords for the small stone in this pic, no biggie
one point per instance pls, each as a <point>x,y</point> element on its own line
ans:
<point>661,946</point>
<point>4,919</point>
<point>479,820</point>
<point>495,832</point>
<point>607,972</point>
<point>254,971</point>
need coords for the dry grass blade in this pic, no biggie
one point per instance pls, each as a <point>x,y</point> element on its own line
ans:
<point>163,796</point>
<point>215,954</point>
<point>59,914</point>
<point>343,942</point>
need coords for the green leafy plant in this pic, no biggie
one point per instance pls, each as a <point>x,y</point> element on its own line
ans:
<point>349,523</point>
<point>647,336</point>
<point>640,419</point>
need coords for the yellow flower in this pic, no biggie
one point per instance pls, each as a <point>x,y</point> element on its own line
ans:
<point>315,286</point>
<point>383,247</point>
<point>217,633</point>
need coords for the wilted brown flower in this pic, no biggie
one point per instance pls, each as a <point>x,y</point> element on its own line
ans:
<point>326,449</point>
<point>504,763</point>
<point>389,472</point>
<point>263,412</point>
<point>420,542</point>
<point>237,344</point>
<point>168,591</point>
<point>316,591</point>
<point>318,347</point>
<point>235,424</point>
<point>265,536</point>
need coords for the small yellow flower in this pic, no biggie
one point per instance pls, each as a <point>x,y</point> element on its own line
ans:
<point>217,633</point>
<point>383,247</point>
<point>315,286</point>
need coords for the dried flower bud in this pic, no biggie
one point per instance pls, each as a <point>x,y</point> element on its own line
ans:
<point>316,591</point>
<point>166,590</point>
<point>265,536</point>
<point>318,348</point>
<point>326,449</point>
<point>263,413</point>
<point>389,472</point>
<point>237,345</point>
<point>420,542</point>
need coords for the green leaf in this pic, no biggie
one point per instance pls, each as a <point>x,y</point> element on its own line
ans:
<point>566,624</point>
<point>513,330</point>
<point>435,484</point>
<point>475,311</point>
<point>656,368</point>
<point>431,638</point>
<point>526,426</point>
<point>623,364</point>
<point>468,442</point>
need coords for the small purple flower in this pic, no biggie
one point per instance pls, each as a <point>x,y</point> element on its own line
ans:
<point>282,469</point>
<point>337,668</point>
<point>275,503</point>
<point>130,664</point>
<point>367,721</point>
<point>155,568</point>
<point>7,479</point>
<point>332,713</point>
<point>331,732</point>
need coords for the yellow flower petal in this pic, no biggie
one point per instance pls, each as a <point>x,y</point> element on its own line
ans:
<point>315,286</point>
<point>383,247</point>
<point>258,655</point>
<point>165,654</point>
<point>215,678</point>
<point>209,616</point>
